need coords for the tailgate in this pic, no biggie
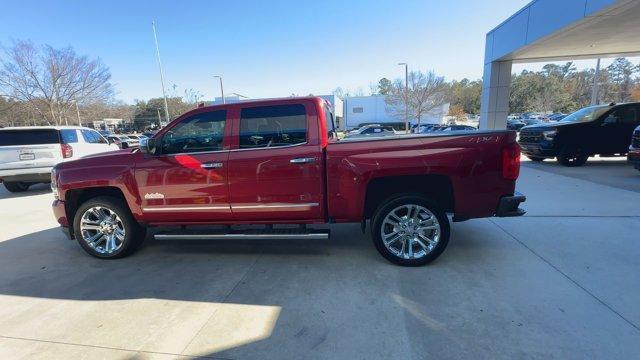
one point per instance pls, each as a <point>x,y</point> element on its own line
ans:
<point>29,148</point>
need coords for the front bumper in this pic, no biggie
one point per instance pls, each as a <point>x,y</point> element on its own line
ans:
<point>537,150</point>
<point>60,214</point>
<point>633,157</point>
<point>509,205</point>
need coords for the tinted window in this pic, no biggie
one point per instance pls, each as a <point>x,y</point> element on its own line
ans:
<point>92,137</point>
<point>29,137</point>
<point>201,132</point>
<point>69,136</point>
<point>271,126</point>
<point>626,116</point>
<point>99,139</point>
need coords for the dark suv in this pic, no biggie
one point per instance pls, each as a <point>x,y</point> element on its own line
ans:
<point>602,130</point>
<point>634,149</point>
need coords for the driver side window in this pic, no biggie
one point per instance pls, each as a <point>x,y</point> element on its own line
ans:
<point>198,133</point>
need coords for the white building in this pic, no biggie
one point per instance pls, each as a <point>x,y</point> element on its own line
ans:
<point>108,124</point>
<point>360,110</point>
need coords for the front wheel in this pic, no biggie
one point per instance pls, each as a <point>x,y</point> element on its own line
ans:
<point>105,228</point>
<point>410,230</point>
<point>16,186</point>
<point>572,157</point>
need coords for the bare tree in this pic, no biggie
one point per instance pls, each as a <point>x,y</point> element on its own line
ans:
<point>50,80</point>
<point>426,92</point>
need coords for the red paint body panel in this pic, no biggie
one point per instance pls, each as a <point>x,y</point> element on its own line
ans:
<point>263,186</point>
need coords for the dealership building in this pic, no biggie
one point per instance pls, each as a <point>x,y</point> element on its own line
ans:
<point>552,30</point>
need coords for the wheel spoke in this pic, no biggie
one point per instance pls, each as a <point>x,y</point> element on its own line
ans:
<point>410,247</point>
<point>391,239</point>
<point>425,238</point>
<point>410,231</point>
<point>95,239</point>
<point>422,245</point>
<point>89,226</point>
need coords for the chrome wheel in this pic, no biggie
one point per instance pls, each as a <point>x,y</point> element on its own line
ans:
<point>410,231</point>
<point>102,229</point>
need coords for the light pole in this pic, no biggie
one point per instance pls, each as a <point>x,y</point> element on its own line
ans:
<point>406,96</point>
<point>595,90</point>
<point>221,87</point>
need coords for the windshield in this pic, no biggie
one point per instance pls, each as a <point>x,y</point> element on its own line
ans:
<point>587,114</point>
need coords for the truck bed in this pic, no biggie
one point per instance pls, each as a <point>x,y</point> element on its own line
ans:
<point>470,160</point>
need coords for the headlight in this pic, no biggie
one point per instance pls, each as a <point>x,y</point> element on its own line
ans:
<point>549,135</point>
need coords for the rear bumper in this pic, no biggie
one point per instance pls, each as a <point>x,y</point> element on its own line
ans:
<point>509,205</point>
<point>39,174</point>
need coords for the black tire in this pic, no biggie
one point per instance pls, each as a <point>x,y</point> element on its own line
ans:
<point>134,234</point>
<point>16,186</point>
<point>535,158</point>
<point>406,199</point>
<point>571,156</point>
<point>124,146</point>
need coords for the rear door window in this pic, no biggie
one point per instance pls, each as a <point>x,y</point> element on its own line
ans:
<point>273,126</point>
<point>29,137</point>
<point>69,136</point>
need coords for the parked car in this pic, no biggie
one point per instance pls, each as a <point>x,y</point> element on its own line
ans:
<point>515,124</point>
<point>458,128</point>
<point>277,162</point>
<point>372,130</point>
<point>633,156</point>
<point>105,133</point>
<point>602,130</point>
<point>137,136</point>
<point>530,121</point>
<point>27,154</point>
<point>556,116</point>
<point>425,128</point>
<point>123,141</point>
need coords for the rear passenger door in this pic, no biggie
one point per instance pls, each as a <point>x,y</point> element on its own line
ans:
<point>617,129</point>
<point>275,173</point>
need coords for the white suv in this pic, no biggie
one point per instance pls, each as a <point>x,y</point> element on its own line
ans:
<point>27,154</point>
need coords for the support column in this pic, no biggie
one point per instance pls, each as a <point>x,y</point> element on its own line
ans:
<point>496,87</point>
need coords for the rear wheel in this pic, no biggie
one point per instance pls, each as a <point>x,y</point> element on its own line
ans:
<point>410,230</point>
<point>105,228</point>
<point>536,159</point>
<point>16,186</point>
<point>572,157</point>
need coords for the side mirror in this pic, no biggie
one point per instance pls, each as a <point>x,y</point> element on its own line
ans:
<point>148,146</point>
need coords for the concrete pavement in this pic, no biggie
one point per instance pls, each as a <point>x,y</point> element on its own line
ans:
<point>559,282</point>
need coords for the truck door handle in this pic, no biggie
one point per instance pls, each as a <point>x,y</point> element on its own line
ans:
<point>306,160</point>
<point>211,165</point>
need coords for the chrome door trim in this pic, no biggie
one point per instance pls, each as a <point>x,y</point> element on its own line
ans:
<point>274,206</point>
<point>185,208</point>
<point>270,148</point>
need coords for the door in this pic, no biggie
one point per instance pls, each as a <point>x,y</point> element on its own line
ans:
<point>616,129</point>
<point>186,181</point>
<point>276,171</point>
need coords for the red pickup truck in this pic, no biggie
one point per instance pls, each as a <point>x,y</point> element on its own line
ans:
<point>278,163</point>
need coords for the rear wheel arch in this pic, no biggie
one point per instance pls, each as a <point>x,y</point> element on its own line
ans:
<point>437,188</point>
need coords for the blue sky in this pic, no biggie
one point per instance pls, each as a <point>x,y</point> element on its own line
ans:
<point>263,48</point>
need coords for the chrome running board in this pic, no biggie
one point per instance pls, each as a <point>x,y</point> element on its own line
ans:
<point>264,234</point>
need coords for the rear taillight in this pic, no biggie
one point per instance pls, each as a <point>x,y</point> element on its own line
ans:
<point>511,162</point>
<point>67,150</point>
